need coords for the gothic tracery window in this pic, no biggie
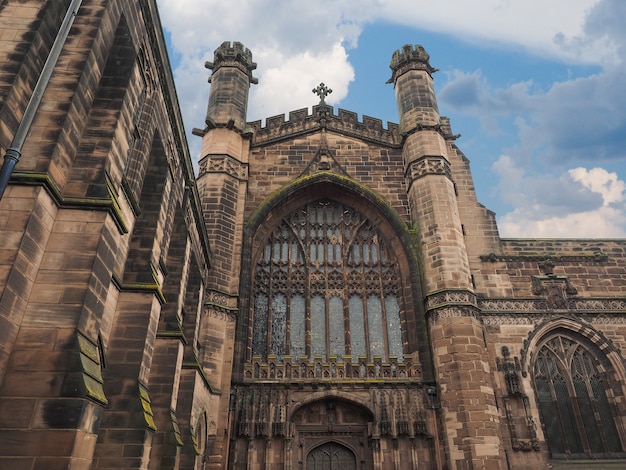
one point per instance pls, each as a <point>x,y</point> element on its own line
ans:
<point>326,285</point>
<point>573,395</point>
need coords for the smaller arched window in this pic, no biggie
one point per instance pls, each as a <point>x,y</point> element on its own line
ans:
<point>575,398</point>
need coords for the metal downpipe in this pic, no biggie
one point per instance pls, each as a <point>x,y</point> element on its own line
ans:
<point>14,152</point>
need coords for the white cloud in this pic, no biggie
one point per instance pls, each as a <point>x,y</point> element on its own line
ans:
<point>598,180</point>
<point>293,40</point>
<point>471,93</point>
<point>545,27</point>
<point>580,203</point>
<point>602,223</point>
<point>288,82</point>
<point>298,43</point>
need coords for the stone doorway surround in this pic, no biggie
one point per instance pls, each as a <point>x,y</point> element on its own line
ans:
<point>335,428</point>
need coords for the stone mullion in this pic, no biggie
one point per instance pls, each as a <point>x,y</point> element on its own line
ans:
<point>364,296</point>
<point>377,453</point>
<point>270,295</point>
<point>383,305</point>
<point>250,453</point>
<point>269,452</point>
<point>307,295</point>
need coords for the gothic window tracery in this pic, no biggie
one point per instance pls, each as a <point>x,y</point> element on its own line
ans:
<point>326,286</point>
<point>573,395</point>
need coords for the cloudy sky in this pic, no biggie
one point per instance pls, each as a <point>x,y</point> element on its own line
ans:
<point>536,88</point>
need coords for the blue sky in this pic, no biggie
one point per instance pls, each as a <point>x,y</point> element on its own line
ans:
<point>536,88</point>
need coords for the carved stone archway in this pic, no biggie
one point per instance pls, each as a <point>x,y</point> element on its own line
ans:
<point>332,432</point>
<point>331,456</point>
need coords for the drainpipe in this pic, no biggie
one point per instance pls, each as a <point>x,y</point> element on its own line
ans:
<point>14,152</point>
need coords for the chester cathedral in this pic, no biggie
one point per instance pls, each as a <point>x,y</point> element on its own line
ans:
<point>320,292</point>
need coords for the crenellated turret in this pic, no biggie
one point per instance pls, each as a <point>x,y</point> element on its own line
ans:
<point>456,332</point>
<point>412,77</point>
<point>431,190</point>
<point>222,185</point>
<point>231,77</point>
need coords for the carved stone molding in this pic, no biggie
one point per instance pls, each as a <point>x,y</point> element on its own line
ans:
<point>525,319</point>
<point>221,305</point>
<point>428,165</point>
<point>592,257</point>
<point>459,311</point>
<point>511,319</point>
<point>512,305</point>
<point>541,305</point>
<point>598,305</point>
<point>543,284</point>
<point>223,164</point>
<point>450,297</point>
<point>221,314</point>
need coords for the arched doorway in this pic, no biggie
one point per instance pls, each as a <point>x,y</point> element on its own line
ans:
<point>333,433</point>
<point>331,456</point>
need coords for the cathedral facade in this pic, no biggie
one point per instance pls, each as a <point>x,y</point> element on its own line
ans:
<point>322,292</point>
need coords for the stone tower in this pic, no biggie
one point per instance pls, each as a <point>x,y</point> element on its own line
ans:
<point>222,183</point>
<point>457,335</point>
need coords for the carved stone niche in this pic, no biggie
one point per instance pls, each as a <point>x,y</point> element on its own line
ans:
<point>520,422</point>
<point>556,289</point>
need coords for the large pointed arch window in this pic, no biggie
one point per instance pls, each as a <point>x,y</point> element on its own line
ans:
<point>573,395</point>
<point>326,285</point>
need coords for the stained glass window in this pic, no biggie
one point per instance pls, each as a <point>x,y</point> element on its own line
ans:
<point>326,285</point>
<point>573,397</point>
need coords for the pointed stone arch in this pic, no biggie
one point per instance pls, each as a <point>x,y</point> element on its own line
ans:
<point>580,327</point>
<point>328,422</point>
<point>337,395</point>
<point>577,375</point>
<point>331,455</point>
<point>344,190</point>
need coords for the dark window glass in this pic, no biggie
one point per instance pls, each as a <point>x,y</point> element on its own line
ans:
<point>573,398</point>
<point>326,285</point>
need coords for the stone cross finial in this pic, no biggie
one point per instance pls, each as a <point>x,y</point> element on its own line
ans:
<point>322,91</point>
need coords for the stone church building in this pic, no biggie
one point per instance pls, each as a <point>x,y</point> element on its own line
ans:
<point>322,292</point>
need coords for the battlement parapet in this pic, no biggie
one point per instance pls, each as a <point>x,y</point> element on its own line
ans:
<point>409,58</point>
<point>234,55</point>
<point>300,122</point>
